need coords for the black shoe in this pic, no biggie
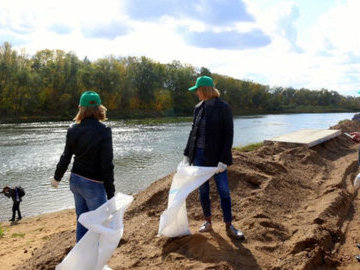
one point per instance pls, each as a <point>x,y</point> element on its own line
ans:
<point>19,218</point>
<point>12,219</point>
<point>357,257</point>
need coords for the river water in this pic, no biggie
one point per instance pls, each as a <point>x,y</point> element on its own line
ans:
<point>143,153</point>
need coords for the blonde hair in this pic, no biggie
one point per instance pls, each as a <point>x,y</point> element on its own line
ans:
<point>98,112</point>
<point>209,92</point>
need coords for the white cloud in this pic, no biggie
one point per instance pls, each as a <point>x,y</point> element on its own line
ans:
<point>335,36</point>
<point>330,55</point>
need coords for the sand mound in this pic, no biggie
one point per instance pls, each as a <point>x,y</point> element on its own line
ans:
<point>295,206</point>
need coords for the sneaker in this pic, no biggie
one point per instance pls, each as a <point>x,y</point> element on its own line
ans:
<point>358,246</point>
<point>232,232</point>
<point>357,257</point>
<point>206,227</point>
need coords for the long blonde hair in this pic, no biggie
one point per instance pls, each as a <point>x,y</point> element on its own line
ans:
<point>97,112</point>
<point>209,92</point>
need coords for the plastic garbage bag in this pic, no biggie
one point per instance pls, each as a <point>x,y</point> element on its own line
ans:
<point>105,229</point>
<point>174,221</point>
<point>357,181</point>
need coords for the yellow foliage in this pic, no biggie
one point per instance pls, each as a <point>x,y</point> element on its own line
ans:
<point>163,99</point>
<point>134,103</point>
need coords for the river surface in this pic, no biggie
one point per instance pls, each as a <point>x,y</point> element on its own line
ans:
<point>143,153</point>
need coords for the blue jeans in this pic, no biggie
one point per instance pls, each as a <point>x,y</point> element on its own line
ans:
<point>88,196</point>
<point>222,185</point>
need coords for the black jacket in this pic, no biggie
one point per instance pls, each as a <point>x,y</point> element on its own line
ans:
<point>219,132</point>
<point>13,193</point>
<point>91,143</point>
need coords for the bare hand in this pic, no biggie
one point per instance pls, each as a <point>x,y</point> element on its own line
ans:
<point>54,183</point>
<point>356,136</point>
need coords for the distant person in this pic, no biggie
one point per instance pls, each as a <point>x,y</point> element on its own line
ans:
<point>209,144</point>
<point>92,174</point>
<point>16,195</point>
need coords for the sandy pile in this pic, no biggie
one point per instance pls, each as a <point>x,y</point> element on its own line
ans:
<point>296,206</point>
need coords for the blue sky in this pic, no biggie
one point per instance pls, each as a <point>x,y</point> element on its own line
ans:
<point>299,43</point>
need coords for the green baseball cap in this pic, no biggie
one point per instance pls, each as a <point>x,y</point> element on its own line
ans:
<point>202,81</point>
<point>90,99</point>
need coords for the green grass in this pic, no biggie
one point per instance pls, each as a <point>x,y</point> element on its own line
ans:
<point>249,147</point>
<point>22,235</point>
<point>2,231</point>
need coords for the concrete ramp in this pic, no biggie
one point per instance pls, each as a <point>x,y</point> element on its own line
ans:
<point>307,137</point>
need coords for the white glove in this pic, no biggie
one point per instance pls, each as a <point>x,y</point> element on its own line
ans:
<point>357,181</point>
<point>54,182</point>
<point>220,167</point>
<point>186,161</point>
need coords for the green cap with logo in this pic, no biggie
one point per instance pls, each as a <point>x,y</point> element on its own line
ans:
<point>90,99</point>
<point>202,81</point>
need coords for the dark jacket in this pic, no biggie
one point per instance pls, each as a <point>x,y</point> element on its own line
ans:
<point>219,132</point>
<point>91,143</point>
<point>13,193</point>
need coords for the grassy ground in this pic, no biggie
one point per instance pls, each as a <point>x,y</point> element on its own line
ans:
<point>249,147</point>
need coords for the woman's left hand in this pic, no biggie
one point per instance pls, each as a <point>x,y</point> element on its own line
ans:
<point>185,161</point>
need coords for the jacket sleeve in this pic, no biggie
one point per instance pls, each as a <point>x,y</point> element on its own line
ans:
<point>65,159</point>
<point>107,166</point>
<point>12,194</point>
<point>228,135</point>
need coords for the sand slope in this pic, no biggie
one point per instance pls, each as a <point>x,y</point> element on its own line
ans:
<point>296,206</point>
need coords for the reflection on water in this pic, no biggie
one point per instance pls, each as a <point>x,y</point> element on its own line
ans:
<point>142,153</point>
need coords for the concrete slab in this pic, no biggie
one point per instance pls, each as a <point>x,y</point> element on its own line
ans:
<point>307,137</point>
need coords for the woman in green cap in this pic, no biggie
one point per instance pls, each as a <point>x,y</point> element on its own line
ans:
<point>92,174</point>
<point>209,144</point>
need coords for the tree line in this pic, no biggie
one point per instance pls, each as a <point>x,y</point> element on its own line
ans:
<point>48,85</point>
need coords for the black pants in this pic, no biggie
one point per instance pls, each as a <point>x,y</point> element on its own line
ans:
<point>16,207</point>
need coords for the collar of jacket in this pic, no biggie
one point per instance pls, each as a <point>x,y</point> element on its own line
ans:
<point>199,104</point>
<point>89,119</point>
<point>210,102</point>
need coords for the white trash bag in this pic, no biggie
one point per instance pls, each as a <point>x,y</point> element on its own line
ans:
<point>174,221</point>
<point>105,229</point>
<point>357,181</point>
